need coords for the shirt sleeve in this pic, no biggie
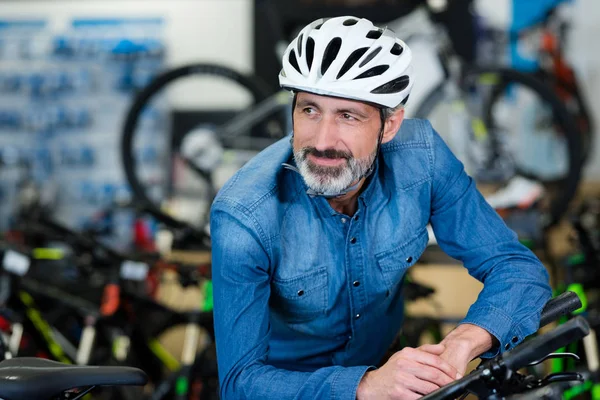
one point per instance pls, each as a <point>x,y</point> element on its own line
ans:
<point>241,281</point>
<point>467,228</point>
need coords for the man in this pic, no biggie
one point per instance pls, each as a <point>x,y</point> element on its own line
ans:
<point>311,238</point>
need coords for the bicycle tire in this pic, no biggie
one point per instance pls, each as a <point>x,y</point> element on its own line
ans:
<point>255,87</point>
<point>581,112</point>
<point>584,120</point>
<point>559,205</point>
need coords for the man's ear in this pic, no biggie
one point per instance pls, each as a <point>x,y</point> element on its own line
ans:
<point>392,125</point>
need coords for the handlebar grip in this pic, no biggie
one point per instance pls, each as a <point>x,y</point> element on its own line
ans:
<point>542,345</point>
<point>559,306</point>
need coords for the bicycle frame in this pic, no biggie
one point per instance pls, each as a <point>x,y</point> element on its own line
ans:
<point>145,344</point>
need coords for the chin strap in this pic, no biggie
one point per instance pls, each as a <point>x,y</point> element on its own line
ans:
<point>313,193</point>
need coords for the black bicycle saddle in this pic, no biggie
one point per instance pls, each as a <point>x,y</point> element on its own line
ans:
<point>36,378</point>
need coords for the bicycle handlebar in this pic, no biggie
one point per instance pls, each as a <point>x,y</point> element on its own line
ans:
<point>538,347</point>
<point>513,360</point>
<point>530,351</point>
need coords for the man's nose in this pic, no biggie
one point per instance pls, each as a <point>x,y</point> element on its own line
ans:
<point>326,135</point>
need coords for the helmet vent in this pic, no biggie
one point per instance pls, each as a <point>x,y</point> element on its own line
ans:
<point>350,22</point>
<point>375,71</point>
<point>393,86</point>
<point>310,51</point>
<point>370,57</point>
<point>300,45</point>
<point>293,61</point>
<point>331,52</point>
<point>352,59</point>
<point>396,49</point>
<point>374,34</point>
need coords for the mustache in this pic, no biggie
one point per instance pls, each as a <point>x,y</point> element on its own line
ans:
<point>327,153</point>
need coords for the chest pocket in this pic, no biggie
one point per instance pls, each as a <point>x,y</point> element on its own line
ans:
<point>394,263</point>
<point>301,298</point>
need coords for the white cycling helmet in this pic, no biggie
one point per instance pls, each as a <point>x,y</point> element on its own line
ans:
<point>351,58</point>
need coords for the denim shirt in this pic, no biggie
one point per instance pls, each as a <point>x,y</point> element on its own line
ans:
<point>306,299</point>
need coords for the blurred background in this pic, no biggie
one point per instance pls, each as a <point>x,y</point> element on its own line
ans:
<point>120,121</point>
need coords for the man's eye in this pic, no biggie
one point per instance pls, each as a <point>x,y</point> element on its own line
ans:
<point>309,110</point>
<point>348,116</point>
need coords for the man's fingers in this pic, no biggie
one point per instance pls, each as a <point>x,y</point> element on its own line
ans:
<point>419,386</point>
<point>432,375</point>
<point>430,359</point>
<point>436,349</point>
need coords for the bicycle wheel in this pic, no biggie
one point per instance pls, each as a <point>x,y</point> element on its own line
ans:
<point>191,173</point>
<point>502,123</point>
<point>578,107</point>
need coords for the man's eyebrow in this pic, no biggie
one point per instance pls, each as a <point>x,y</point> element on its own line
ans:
<point>306,103</point>
<point>351,110</point>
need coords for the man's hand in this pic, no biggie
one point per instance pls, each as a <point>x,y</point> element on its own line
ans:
<point>408,374</point>
<point>465,343</point>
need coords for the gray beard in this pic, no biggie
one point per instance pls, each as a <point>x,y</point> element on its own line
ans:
<point>332,180</point>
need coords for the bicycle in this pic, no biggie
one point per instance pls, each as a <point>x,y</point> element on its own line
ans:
<point>579,274</point>
<point>483,106</point>
<point>29,377</point>
<point>116,331</point>
<point>499,378</point>
<point>241,132</point>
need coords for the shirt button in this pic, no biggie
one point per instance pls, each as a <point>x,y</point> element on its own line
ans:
<point>356,217</point>
<point>300,292</point>
<point>357,316</point>
<point>343,220</point>
<point>353,240</point>
<point>409,259</point>
<point>350,337</point>
<point>515,339</point>
<point>507,346</point>
<point>356,283</point>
